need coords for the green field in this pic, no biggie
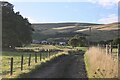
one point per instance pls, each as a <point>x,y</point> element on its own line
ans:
<point>17,59</point>
<point>6,56</point>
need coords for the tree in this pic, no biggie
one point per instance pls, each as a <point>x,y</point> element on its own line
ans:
<point>81,40</point>
<point>116,41</point>
<point>73,42</point>
<point>77,41</point>
<point>16,30</point>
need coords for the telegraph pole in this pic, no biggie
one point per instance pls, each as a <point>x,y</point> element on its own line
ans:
<point>89,35</point>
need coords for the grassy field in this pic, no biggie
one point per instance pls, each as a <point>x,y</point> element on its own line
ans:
<point>37,47</point>
<point>95,60</point>
<point>6,55</point>
<point>100,65</point>
<point>17,58</point>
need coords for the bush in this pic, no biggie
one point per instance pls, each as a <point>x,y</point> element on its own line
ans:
<point>77,41</point>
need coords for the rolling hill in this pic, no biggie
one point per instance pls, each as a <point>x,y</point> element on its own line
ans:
<point>64,31</point>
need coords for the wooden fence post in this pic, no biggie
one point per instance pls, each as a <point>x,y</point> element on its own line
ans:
<point>29,60</point>
<point>118,50</point>
<point>35,57</point>
<point>21,62</point>
<point>98,45</point>
<point>40,56</point>
<point>48,54</point>
<point>44,55</point>
<point>110,48</point>
<point>106,49</point>
<point>11,66</point>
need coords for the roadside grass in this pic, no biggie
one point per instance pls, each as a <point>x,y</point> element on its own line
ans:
<point>100,65</point>
<point>82,48</point>
<point>42,64</point>
<point>6,55</point>
<point>114,50</point>
<point>79,48</point>
<point>70,48</point>
<point>64,47</point>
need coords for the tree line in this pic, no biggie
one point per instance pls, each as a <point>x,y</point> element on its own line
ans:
<point>16,30</point>
<point>81,41</point>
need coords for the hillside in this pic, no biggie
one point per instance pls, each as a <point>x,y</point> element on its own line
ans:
<point>63,31</point>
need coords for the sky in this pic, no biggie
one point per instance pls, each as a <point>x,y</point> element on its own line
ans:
<point>55,11</point>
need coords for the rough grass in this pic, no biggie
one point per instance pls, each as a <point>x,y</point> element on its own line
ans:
<point>100,65</point>
<point>17,58</point>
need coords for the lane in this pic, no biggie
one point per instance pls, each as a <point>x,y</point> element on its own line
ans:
<point>68,66</point>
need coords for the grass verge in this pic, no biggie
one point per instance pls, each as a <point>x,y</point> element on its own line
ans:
<point>26,69</point>
<point>100,65</point>
<point>43,64</point>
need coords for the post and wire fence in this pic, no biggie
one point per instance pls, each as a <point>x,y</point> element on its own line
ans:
<point>111,49</point>
<point>42,56</point>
